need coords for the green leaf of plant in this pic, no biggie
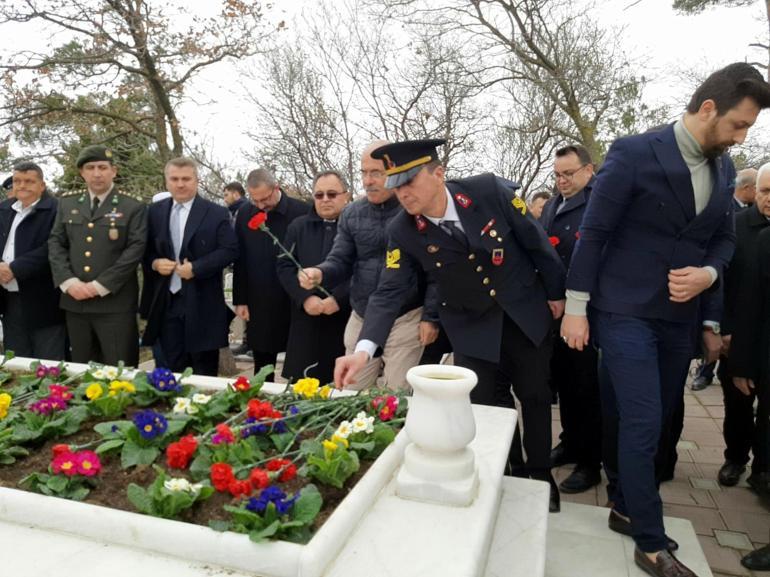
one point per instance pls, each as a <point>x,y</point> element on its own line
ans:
<point>269,531</point>
<point>108,446</point>
<point>133,454</point>
<point>140,499</point>
<point>220,525</point>
<point>307,505</point>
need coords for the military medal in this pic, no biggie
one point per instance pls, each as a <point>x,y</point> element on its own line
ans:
<point>487,226</point>
<point>493,233</point>
<point>463,200</point>
<point>432,248</point>
<point>420,222</point>
<point>113,234</point>
<point>497,256</point>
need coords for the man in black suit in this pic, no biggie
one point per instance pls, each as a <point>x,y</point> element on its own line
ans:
<point>500,285</point>
<point>33,323</point>
<point>574,374</point>
<point>258,296</point>
<point>190,242</point>
<point>740,372</point>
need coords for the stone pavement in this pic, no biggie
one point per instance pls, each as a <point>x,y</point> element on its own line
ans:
<point>729,521</point>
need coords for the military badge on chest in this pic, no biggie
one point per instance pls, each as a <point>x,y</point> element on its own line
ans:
<point>113,233</point>
<point>498,256</point>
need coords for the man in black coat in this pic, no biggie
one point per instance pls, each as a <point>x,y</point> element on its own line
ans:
<point>190,242</point>
<point>574,374</point>
<point>500,284</point>
<point>317,320</point>
<point>33,323</point>
<point>258,296</point>
<point>741,371</point>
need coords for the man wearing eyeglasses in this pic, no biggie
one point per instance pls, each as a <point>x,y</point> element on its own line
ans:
<point>358,253</point>
<point>574,374</point>
<point>258,296</point>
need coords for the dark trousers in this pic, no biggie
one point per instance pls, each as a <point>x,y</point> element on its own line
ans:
<point>106,338</point>
<point>437,349</point>
<point>739,428</point>
<point>262,359</point>
<point>172,342</point>
<point>526,367</point>
<point>706,370</point>
<point>645,362</point>
<point>574,375</point>
<point>25,341</point>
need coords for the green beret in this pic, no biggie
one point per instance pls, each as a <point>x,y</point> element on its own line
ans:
<point>94,153</point>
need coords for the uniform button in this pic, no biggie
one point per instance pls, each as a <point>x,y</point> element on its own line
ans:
<point>486,280</point>
<point>499,239</point>
<point>88,254</point>
<point>87,268</point>
<point>438,265</point>
<point>471,256</point>
<point>492,292</point>
<point>479,268</point>
<point>443,304</point>
<point>89,239</point>
<point>90,225</point>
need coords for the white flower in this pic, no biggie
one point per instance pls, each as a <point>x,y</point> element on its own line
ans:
<point>200,398</point>
<point>344,429</point>
<point>362,422</point>
<point>359,424</point>
<point>196,488</point>
<point>111,373</point>
<point>182,405</point>
<point>192,409</point>
<point>178,485</point>
<point>99,374</point>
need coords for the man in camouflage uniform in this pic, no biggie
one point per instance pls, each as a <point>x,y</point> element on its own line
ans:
<point>96,243</point>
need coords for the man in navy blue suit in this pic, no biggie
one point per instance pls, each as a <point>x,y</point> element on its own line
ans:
<point>190,241</point>
<point>657,232</point>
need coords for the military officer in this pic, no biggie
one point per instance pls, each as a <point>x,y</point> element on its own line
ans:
<point>500,284</point>
<point>96,244</point>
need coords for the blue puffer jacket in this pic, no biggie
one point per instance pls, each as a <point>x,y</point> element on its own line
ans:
<point>359,253</point>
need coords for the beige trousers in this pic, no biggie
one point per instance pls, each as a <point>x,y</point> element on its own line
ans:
<point>402,351</point>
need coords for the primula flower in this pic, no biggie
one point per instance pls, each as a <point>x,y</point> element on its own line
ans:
<point>94,391</point>
<point>150,424</point>
<point>344,429</point>
<point>163,380</point>
<point>307,387</point>
<point>60,392</point>
<point>111,373</point>
<point>330,446</point>
<point>5,404</point>
<point>287,468</point>
<point>221,475</point>
<point>259,478</point>
<point>178,454</point>
<point>340,440</point>
<point>325,392</point>
<point>60,449</point>
<point>224,434</point>
<point>88,463</point>
<point>48,405</point>
<point>180,485</point>
<point>388,410</point>
<point>66,463</point>
<point>41,371</point>
<point>271,495</point>
<point>201,399</point>
<point>241,384</point>
<point>257,220</point>
<point>99,374</point>
<point>182,405</point>
<point>120,387</point>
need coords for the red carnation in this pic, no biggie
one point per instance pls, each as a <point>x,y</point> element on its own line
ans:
<point>554,240</point>
<point>238,488</point>
<point>287,468</point>
<point>178,454</point>
<point>257,220</point>
<point>259,478</point>
<point>262,410</point>
<point>60,449</point>
<point>221,476</point>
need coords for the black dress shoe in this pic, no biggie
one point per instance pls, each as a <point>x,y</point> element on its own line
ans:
<point>759,483</point>
<point>617,523</point>
<point>730,473</point>
<point>554,501</point>
<point>700,382</point>
<point>560,456</point>
<point>665,565</point>
<point>758,560</point>
<point>581,479</point>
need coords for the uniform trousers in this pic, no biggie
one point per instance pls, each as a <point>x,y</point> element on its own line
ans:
<point>739,428</point>
<point>104,337</point>
<point>47,342</point>
<point>525,366</point>
<point>172,342</point>
<point>644,363</point>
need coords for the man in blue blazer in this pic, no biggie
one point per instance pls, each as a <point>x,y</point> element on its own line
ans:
<point>190,241</point>
<point>657,232</point>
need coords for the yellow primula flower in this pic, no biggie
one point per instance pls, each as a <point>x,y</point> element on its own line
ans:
<point>325,392</point>
<point>94,391</point>
<point>306,387</point>
<point>330,445</point>
<point>121,386</point>
<point>5,403</point>
<point>340,440</point>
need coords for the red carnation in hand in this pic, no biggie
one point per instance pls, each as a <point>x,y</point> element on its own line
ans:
<point>259,478</point>
<point>554,240</point>
<point>221,476</point>
<point>257,220</point>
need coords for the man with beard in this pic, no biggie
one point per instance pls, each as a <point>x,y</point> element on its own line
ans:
<point>657,232</point>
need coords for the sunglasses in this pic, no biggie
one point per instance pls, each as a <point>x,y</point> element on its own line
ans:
<point>330,194</point>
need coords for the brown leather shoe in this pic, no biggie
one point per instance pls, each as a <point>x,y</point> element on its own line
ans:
<point>665,565</point>
<point>618,524</point>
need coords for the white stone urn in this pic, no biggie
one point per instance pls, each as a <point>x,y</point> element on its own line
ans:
<point>438,465</point>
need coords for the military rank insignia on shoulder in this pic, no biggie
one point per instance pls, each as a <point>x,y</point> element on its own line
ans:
<point>463,200</point>
<point>519,205</point>
<point>392,257</point>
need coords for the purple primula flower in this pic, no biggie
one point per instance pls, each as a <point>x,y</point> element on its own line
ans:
<point>269,495</point>
<point>163,380</point>
<point>150,424</point>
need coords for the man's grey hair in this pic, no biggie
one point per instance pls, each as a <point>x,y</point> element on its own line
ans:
<point>745,177</point>
<point>259,177</point>
<point>762,170</point>
<point>182,162</point>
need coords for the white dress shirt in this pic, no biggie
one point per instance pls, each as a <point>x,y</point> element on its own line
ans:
<point>9,252</point>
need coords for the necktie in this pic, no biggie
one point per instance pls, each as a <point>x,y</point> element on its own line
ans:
<point>94,205</point>
<point>176,241</point>
<point>450,227</point>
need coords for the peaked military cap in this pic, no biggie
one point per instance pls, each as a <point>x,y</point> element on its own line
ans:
<point>403,160</point>
<point>95,153</point>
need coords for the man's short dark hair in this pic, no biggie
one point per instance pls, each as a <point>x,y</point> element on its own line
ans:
<point>577,149</point>
<point>336,173</point>
<point>728,86</point>
<point>235,187</point>
<point>28,166</point>
<point>544,194</point>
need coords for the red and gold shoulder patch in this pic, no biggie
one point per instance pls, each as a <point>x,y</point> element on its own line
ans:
<point>463,200</point>
<point>419,221</point>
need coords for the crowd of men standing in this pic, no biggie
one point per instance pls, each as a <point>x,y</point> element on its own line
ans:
<point>595,296</point>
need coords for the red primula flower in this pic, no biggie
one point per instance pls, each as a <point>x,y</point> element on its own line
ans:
<point>257,220</point>
<point>259,478</point>
<point>238,488</point>
<point>60,392</point>
<point>221,475</point>
<point>60,449</point>
<point>242,384</point>
<point>554,240</point>
<point>88,463</point>
<point>388,409</point>
<point>65,463</point>
<point>287,468</point>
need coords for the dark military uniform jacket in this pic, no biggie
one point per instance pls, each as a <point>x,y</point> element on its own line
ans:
<point>507,268</point>
<point>106,247</point>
